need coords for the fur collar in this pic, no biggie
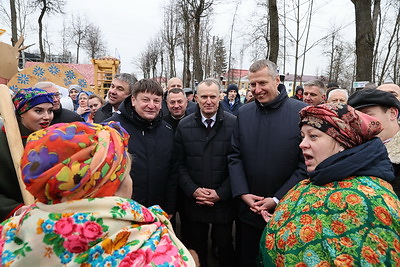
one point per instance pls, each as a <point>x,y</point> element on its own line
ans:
<point>393,148</point>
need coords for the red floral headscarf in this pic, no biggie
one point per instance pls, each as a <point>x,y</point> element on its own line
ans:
<point>68,161</point>
<point>342,122</point>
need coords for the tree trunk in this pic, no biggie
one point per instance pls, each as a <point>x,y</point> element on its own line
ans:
<point>14,30</point>
<point>310,12</point>
<point>172,71</point>
<point>77,49</point>
<point>198,70</point>
<point>365,39</point>
<point>296,58</point>
<point>396,70</point>
<point>332,53</point>
<point>274,31</point>
<point>42,12</point>
<point>390,46</point>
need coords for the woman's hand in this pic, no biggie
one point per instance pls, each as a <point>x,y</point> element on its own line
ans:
<point>266,215</point>
<point>82,110</point>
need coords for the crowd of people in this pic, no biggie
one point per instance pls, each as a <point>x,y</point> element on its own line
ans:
<point>307,180</point>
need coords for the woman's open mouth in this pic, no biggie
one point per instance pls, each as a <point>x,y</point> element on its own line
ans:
<point>44,124</point>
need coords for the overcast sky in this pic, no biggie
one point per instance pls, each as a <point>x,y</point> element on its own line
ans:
<point>128,25</point>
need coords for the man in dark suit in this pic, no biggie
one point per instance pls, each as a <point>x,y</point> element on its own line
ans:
<point>203,140</point>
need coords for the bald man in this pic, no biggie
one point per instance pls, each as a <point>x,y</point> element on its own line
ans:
<point>172,83</point>
<point>391,88</point>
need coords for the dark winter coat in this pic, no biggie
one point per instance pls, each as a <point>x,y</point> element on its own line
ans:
<point>203,163</point>
<point>235,107</point>
<point>171,121</point>
<point>266,159</point>
<point>65,116</point>
<point>10,193</point>
<point>151,145</point>
<point>103,113</point>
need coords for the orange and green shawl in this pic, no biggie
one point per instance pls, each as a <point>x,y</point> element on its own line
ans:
<point>354,222</point>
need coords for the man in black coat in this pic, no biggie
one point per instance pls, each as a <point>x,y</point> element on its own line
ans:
<point>120,88</point>
<point>61,115</point>
<point>151,144</point>
<point>265,161</point>
<point>203,141</point>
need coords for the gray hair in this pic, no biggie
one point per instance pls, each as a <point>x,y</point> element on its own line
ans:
<point>44,85</point>
<point>264,63</point>
<point>130,79</point>
<point>209,82</point>
<point>318,83</point>
<point>338,90</point>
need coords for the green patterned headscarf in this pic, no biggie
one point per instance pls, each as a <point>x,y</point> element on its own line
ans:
<point>25,99</point>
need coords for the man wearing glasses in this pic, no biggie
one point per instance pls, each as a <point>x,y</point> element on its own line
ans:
<point>60,114</point>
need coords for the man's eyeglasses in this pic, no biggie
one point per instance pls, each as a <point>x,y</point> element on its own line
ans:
<point>57,95</point>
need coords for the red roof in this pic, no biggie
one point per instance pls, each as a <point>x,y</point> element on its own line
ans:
<point>236,73</point>
<point>87,70</point>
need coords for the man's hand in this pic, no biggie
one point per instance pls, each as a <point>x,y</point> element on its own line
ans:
<point>250,200</point>
<point>206,196</point>
<point>265,204</point>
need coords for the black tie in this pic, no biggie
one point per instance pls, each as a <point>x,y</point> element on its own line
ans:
<point>209,121</point>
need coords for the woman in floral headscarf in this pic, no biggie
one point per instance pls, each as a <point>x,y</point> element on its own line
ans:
<point>346,213</point>
<point>34,111</point>
<point>79,174</point>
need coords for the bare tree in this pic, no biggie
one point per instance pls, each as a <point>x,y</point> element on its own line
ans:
<point>334,41</point>
<point>206,47</point>
<point>154,50</point>
<point>170,35</point>
<point>78,30</point>
<point>93,42</point>
<point>149,59</point>
<point>143,62</point>
<point>230,45</point>
<point>49,7</point>
<point>17,24</point>
<point>198,10</point>
<point>390,46</point>
<point>186,44</point>
<point>47,44</point>
<point>65,41</point>
<point>396,60</point>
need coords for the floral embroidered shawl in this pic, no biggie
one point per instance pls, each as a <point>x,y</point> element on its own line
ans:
<point>354,222</point>
<point>109,231</point>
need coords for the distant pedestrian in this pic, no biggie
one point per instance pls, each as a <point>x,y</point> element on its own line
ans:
<point>299,93</point>
<point>231,103</point>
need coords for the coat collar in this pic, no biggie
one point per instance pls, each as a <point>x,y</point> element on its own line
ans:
<point>277,102</point>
